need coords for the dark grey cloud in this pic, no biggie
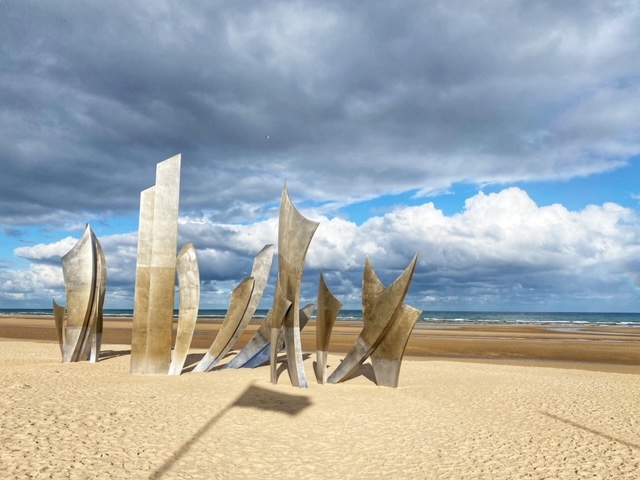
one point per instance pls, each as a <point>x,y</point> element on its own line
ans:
<point>343,100</point>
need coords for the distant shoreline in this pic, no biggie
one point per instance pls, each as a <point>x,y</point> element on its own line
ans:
<point>612,348</point>
<point>542,319</point>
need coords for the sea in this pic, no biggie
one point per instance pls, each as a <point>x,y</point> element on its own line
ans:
<point>427,317</point>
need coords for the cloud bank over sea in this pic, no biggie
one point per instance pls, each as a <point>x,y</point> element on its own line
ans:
<point>502,252</point>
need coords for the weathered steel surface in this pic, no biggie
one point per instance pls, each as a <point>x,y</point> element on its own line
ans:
<point>371,288</point>
<point>163,266</point>
<point>79,329</point>
<point>260,341</point>
<point>240,298</point>
<point>189,283</point>
<point>99,296</point>
<point>258,348</point>
<point>153,310</point>
<point>387,357</point>
<point>78,268</point>
<point>58,317</point>
<point>383,310</point>
<point>294,237</point>
<point>281,306</point>
<point>328,308</point>
<point>143,279</point>
<point>260,274</point>
<point>263,356</point>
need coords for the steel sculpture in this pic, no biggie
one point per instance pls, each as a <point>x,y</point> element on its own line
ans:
<point>143,282</point>
<point>386,359</point>
<point>294,237</point>
<point>281,307</point>
<point>189,283</point>
<point>328,308</point>
<point>232,328</point>
<point>58,317</point>
<point>255,347</point>
<point>156,272</point>
<point>98,307</point>
<point>240,298</point>
<point>79,326</point>
<point>78,268</point>
<point>258,350</point>
<point>382,309</point>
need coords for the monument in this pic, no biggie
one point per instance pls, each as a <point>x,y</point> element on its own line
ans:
<point>156,272</point>
<point>387,321</point>
<point>79,326</point>
<point>189,283</point>
<point>381,307</point>
<point>328,308</point>
<point>294,236</point>
<point>244,302</point>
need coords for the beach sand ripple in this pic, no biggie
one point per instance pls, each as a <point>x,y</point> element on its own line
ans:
<point>448,420</point>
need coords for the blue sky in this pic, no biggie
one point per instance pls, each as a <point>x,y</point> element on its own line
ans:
<point>498,141</point>
<point>619,186</point>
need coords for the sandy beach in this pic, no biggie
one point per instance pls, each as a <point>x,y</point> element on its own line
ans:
<point>474,402</point>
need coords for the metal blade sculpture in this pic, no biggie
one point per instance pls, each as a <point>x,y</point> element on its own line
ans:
<point>281,307</point>
<point>328,308</point>
<point>294,236</point>
<point>258,350</point>
<point>260,342</point>
<point>101,290</point>
<point>85,277</point>
<point>240,298</point>
<point>371,288</point>
<point>58,317</point>
<point>387,358</point>
<point>225,342</point>
<point>189,282</point>
<point>382,310</point>
<point>78,268</point>
<point>156,271</point>
<point>143,282</point>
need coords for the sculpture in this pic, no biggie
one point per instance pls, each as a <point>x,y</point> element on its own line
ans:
<point>328,308</point>
<point>380,309</point>
<point>388,322</point>
<point>239,300</point>
<point>58,317</point>
<point>257,350</point>
<point>255,347</point>
<point>189,282</point>
<point>156,271</point>
<point>387,358</point>
<point>101,289</point>
<point>294,236</point>
<point>244,303</point>
<point>79,329</point>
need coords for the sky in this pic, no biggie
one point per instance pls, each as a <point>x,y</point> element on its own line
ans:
<point>498,140</point>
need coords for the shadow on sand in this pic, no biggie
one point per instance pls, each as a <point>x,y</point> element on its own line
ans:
<point>253,397</point>
<point>591,430</point>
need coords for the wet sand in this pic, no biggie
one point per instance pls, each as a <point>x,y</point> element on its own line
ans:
<point>607,348</point>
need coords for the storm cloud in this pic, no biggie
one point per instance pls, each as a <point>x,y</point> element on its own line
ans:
<point>345,102</point>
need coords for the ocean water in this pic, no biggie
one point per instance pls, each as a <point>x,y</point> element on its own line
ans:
<point>427,317</point>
